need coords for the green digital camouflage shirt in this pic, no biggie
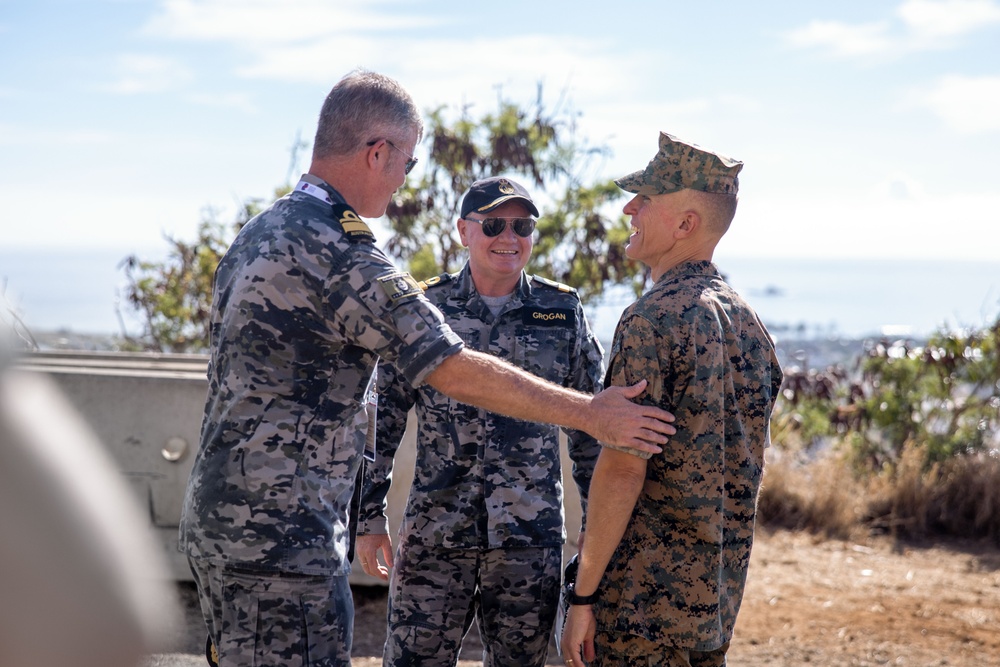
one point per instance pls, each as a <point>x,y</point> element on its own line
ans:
<point>678,574</point>
<point>483,480</point>
<point>304,305</point>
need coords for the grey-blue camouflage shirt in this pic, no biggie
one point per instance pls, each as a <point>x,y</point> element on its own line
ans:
<point>304,305</point>
<point>483,480</point>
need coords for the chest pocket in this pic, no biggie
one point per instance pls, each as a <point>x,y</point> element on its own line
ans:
<point>545,352</point>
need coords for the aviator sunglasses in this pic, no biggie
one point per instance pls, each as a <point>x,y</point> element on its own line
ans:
<point>495,226</point>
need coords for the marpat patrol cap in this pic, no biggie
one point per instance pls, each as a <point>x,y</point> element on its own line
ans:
<point>679,165</point>
<point>488,193</point>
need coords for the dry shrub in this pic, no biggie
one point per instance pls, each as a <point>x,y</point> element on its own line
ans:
<point>959,497</point>
<point>818,495</point>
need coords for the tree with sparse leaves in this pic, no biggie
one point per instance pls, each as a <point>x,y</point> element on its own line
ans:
<point>174,297</point>
<point>580,238</point>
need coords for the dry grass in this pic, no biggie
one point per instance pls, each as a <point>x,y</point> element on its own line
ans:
<point>957,498</point>
<point>819,496</point>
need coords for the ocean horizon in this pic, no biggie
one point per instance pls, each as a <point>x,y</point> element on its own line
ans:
<point>83,291</point>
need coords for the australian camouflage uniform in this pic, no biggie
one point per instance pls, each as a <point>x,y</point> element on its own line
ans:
<point>304,305</point>
<point>677,577</point>
<point>485,486</point>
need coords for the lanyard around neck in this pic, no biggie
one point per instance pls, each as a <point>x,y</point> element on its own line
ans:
<point>313,190</point>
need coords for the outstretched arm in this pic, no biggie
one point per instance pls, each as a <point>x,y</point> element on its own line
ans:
<point>610,416</point>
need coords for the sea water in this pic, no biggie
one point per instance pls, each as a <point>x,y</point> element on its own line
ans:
<point>851,298</point>
<point>84,291</point>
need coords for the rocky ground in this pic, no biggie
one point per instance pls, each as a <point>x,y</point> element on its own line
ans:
<point>830,603</point>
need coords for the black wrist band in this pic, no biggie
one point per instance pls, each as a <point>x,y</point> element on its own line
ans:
<point>575,599</point>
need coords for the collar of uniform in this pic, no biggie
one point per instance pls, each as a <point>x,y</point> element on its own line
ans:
<point>697,268</point>
<point>312,179</point>
<point>465,287</point>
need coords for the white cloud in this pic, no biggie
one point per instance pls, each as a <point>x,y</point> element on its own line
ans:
<point>256,23</point>
<point>947,18</point>
<point>16,135</point>
<point>318,61</point>
<point>147,74</point>
<point>920,25</point>
<point>841,39</point>
<point>240,101</point>
<point>968,105</point>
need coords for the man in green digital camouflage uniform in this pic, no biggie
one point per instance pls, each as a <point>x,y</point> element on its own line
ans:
<point>304,305</point>
<point>663,568</point>
<point>483,529</point>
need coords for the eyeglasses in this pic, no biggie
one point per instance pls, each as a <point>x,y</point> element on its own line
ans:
<point>495,226</point>
<point>411,161</point>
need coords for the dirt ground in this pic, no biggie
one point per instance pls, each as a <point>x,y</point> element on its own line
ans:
<point>829,603</point>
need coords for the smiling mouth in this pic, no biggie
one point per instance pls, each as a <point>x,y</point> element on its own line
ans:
<point>504,252</point>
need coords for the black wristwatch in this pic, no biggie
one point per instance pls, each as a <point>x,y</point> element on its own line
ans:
<point>575,599</point>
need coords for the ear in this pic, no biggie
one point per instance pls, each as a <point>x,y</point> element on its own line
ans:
<point>462,224</point>
<point>376,155</point>
<point>690,222</point>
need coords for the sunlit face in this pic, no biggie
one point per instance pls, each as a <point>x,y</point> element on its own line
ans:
<point>654,219</point>
<point>499,258</point>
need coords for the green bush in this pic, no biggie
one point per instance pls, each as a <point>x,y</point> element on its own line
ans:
<point>942,396</point>
<point>915,426</point>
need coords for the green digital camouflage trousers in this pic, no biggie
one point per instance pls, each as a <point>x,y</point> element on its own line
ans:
<point>435,593</point>
<point>624,650</point>
<point>285,620</point>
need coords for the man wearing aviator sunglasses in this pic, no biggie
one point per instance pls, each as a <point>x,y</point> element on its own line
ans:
<point>304,306</point>
<point>523,227</point>
<point>479,520</point>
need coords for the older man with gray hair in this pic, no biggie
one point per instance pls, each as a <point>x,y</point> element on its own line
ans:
<point>304,304</point>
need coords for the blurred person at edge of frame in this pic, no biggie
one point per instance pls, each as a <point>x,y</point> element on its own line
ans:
<point>82,581</point>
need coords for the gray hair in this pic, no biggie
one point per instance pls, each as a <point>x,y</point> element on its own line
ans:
<point>361,106</point>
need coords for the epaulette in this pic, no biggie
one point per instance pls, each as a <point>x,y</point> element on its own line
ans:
<point>436,280</point>
<point>551,283</point>
<point>354,227</point>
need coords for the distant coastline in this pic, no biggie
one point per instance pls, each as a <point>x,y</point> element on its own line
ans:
<point>83,290</point>
<point>809,353</point>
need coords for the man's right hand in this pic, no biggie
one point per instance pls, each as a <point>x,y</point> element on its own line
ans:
<point>368,547</point>
<point>488,382</point>
<point>619,421</point>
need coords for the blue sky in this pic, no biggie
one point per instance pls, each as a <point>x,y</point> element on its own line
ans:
<point>868,128</point>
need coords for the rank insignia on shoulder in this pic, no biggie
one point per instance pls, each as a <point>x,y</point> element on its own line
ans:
<point>399,286</point>
<point>354,227</point>
<point>436,280</point>
<point>551,283</point>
